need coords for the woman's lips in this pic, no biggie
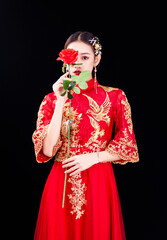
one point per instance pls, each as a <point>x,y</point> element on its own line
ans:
<point>77,72</point>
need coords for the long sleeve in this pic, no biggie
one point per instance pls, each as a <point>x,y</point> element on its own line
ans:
<point>123,144</point>
<point>44,117</point>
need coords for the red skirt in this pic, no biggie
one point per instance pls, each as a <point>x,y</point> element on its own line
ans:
<point>92,208</point>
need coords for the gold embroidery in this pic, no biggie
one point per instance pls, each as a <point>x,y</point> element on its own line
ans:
<point>100,113</point>
<point>75,120</point>
<point>97,132</point>
<point>57,146</point>
<point>124,148</point>
<point>38,137</point>
<point>97,146</point>
<point>107,89</point>
<point>74,115</point>
<point>41,131</point>
<point>127,113</point>
<point>77,198</point>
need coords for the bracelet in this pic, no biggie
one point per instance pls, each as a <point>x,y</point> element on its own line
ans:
<point>98,158</point>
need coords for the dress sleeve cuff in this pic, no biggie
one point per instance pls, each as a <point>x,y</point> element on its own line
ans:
<point>126,153</point>
<point>38,138</point>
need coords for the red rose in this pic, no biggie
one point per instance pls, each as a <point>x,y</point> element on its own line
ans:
<point>68,56</point>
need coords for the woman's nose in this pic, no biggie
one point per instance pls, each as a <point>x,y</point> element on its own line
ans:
<point>78,61</point>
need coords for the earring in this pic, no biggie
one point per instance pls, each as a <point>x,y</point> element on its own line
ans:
<point>95,79</point>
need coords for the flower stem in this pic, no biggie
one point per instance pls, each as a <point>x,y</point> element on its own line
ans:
<point>68,149</point>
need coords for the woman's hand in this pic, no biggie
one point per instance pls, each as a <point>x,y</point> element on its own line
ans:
<point>58,86</point>
<point>79,163</point>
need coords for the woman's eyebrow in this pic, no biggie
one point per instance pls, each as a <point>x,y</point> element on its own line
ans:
<point>85,53</point>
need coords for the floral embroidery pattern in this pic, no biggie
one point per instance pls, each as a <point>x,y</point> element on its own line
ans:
<point>127,113</point>
<point>41,131</point>
<point>124,148</point>
<point>75,120</point>
<point>77,198</point>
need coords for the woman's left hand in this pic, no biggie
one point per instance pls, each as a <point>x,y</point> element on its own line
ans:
<point>79,163</point>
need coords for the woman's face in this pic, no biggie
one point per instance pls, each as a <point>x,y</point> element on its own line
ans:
<point>85,56</point>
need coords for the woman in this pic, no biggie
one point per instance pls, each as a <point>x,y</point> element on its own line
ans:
<point>92,208</point>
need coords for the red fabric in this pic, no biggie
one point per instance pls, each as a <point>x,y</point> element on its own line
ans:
<point>92,208</point>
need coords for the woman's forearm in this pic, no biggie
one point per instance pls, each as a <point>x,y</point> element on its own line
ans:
<point>105,156</point>
<point>54,128</point>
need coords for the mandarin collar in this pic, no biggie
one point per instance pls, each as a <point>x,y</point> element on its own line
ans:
<point>90,85</point>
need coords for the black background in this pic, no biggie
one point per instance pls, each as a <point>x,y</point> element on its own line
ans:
<point>32,35</point>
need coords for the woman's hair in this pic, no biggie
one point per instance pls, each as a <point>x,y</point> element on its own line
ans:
<point>87,38</point>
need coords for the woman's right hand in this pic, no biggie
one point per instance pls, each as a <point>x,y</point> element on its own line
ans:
<point>58,86</point>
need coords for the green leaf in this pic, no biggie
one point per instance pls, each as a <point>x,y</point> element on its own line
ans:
<point>66,84</point>
<point>75,78</point>
<point>70,96</point>
<point>72,85</point>
<point>83,85</point>
<point>84,75</point>
<point>77,90</point>
<point>63,94</point>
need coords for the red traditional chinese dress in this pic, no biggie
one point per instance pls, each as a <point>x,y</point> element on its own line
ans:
<point>92,208</point>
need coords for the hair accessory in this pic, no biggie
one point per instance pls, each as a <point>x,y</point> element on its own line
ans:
<point>96,45</point>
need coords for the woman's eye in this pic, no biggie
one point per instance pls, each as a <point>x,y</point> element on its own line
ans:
<point>84,57</point>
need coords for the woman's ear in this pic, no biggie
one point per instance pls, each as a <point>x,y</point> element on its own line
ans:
<point>97,60</point>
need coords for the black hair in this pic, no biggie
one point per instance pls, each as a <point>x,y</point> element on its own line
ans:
<point>80,36</point>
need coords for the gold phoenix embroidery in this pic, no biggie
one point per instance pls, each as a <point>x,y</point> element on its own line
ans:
<point>100,113</point>
<point>97,132</point>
